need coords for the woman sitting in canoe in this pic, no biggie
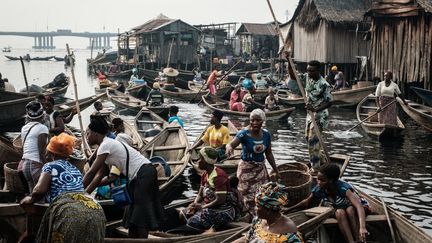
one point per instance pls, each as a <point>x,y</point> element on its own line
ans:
<point>72,215</point>
<point>271,225</point>
<point>236,98</point>
<point>212,206</point>
<point>256,148</point>
<point>350,211</point>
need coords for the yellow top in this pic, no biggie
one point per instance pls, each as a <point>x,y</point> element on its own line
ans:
<point>215,138</point>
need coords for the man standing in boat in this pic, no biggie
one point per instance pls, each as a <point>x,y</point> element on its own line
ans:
<point>319,99</point>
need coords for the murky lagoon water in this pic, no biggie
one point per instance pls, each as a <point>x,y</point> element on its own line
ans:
<point>400,171</point>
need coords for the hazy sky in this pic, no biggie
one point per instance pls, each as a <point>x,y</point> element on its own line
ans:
<point>93,15</point>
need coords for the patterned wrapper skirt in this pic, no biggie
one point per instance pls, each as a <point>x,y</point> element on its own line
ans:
<point>251,176</point>
<point>72,217</point>
<point>388,115</point>
<point>210,217</point>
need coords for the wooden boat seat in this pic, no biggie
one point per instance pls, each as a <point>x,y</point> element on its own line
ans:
<point>369,219</point>
<point>370,107</point>
<point>168,147</point>
<point>150,122</point>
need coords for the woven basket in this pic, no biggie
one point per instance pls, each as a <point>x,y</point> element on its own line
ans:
<point>293,166</point>
<point>14,180</point>
<point>298,185</point>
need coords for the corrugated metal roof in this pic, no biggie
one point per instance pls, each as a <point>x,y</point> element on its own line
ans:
<point>257,29</point>
<point>153,24</point>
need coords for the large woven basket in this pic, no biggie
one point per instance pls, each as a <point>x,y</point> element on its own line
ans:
<point>293,166</point>
<point>14,179</point>
<point>298,184</point>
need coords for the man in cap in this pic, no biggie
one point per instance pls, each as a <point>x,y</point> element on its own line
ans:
<point>216,135</point>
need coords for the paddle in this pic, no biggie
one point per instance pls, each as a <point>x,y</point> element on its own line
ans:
<point>300,85</point>
<point>373,114</point>
<point>25,76</point>
<point>234,236</point>
<point>388,220</point>
<point>223,76</point>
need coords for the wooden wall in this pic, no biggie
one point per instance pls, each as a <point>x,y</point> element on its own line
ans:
<point>309,45</point>
<point>404,46</point>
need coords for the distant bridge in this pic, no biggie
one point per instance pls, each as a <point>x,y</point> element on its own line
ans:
<point>45,40</point>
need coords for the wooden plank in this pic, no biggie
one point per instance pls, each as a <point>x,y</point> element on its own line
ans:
<point>150,122</point>
<point>168,147</point>
<point>175,162</point>
<point>369,219</point>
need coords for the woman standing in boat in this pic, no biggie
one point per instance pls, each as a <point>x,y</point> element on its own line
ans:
<point>386,93</point>
<point>146,210</point>
<point>350,209</point>
<point>271,225</point>
<point>256,148</point>
<point>72,215</point>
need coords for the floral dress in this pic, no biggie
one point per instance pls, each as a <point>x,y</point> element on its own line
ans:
<point>257,234</point>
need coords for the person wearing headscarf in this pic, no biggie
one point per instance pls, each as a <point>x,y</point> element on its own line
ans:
<point>256,149</point>
<point>145,212</point>
<point>155,97</point>
<point>236,98</point>
<point>338,78</point>
<point>212,207</point>
<point>216,135</point>
<point>34,136</point>
<point>271,225</point>
<point>249,103</point>
<point>72,215</point>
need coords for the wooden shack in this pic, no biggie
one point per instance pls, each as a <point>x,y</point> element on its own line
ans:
<point>159,41</point>
<point>330,31</point>
<point>401,35</point>
<point>260,40</point>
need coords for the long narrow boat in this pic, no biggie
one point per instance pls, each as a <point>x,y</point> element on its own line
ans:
<point>66,108</point>
<point>424,94</point>
<point>172,145</point>
<point>12,106</point>
<point>148,124</point>
<point>419,113</point>
<point>138,143</point>
<point>59,59</point>
<point>184,94</point>
<point>120,74</point>
<point>405,231</point>
<point>347,97</point>
<point>41,58</point>
<point>365,108</point>
<point>215,103</point>
<point>228,165</point>
<point>223,93</point>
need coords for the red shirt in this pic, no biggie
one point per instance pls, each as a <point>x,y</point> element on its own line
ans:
<point>212,78</point>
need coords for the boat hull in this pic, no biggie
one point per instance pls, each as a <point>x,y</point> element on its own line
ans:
<point>421,114</point>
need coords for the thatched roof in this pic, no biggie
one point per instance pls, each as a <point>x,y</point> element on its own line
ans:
<point>400,8</point>
<point>426,5</point>
<point>256,29</point>
<point>337,12</point>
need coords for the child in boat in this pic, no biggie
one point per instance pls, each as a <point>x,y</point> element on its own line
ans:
<point>350,209</point>
<point>271,101</point>
<point>173,118</point>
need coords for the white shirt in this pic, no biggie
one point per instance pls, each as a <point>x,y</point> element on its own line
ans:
<point>30,146</point>
<point>117,156</point>
<point>125,138</point>
<point>390,91</point>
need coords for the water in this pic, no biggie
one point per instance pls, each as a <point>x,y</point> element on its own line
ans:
<point>400,171</point>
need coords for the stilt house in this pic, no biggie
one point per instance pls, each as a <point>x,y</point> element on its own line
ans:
<point>402,40</point>
<point>260,40</point>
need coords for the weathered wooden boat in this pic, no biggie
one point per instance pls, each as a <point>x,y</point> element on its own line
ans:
<point>59,59</point>
<point>41,58</point>
<point>230,164</point>
<point>181,80</point>
<point>66,108</point>
<point>149,124</point>
<point>184,94</point>
<point>139,91</point>
<point>8,152</point>
<point>424,94</point>
<point>25,58</point>
<point>12,106</point>
<point>120,74</point>
<point>215,103</point>
<point>404,230</point>
<point>307,221</point>
<point>223,93</point>
<point>138,143</point>
<point>7,49</point>
<point>419,113</point>
<point>368,106</point>
<point>103,58</point>
<point>347,97</point>
<point>172,145</point>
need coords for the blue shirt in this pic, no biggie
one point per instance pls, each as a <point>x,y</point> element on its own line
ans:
<point>65,177</point>
<point>341,201</point>
<point>253,149</point>
<point>176,118</point>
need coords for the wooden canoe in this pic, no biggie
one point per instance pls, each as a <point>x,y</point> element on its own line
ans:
<point>424,94</point>
<point>346,97</point>
<point>228,165</point>
<point>66,108</point>
<point>7,152</point>
<point>223,93</point>
<point>147,120</point>
<point>120,74</point>
<point>376,223</point>
<point>215,103</point>
<point>124,101</point>
<point>12,106</point>
<point>365,108</point>
<point>172,145</point>
<point>419,113</point>
<point>138,143</point>
<point>184,94</point>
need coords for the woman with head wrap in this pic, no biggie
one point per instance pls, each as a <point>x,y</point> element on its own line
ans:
<point>216,135</point>
<point>248,101</point>
<point>145,211</point>
<point>271,225</point>
<point>212,205</point>
<point>256,148</point>
<point>236,98</point>
<point>34,137</point>
<point>72,215</point>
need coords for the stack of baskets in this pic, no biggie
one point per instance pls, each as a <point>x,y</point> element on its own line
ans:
<point>14,179</point>
<point>296,177</point>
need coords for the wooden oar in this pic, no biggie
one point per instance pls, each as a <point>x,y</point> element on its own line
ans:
<point>234,236</point>
<point>25,76</point>
<point>388,220</point>
<point>373,114</point>
<point>169,54</point>
<point>291,65</point>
